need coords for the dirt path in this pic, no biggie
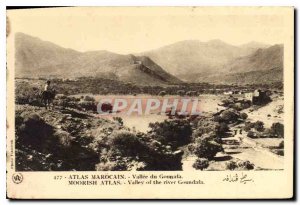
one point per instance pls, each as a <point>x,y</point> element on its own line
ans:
<point>259,156</point>
<point>268,113</point>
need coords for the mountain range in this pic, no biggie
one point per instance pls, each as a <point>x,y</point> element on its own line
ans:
<point>193,61</point>
<point>36,58</point>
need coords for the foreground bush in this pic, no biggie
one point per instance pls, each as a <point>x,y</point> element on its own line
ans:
<point>240,165</point>
<point>281,145</point>
<point>40,146</point>
<point>123,150</point>
<point>244,116</point>
<point>201,163</point>
<point>33,131</point>
<point>259,126</point>
<point>277,129</point>
<point>89,98</point>
<point>229,116</point>
<point>173,132</point>
<point>206,147</point>
<point>27,94</point>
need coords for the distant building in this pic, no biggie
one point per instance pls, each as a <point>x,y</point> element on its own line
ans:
<point>228,92</point>
<point>249,96</point>
<point>138,62</point>
<point>258,97</point>
<point>235,93</point>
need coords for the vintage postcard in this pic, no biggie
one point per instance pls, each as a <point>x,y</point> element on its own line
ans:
<point>150,103</point>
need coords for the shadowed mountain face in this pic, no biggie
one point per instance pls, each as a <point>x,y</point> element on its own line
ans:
<point>187,58</point>
<point>260,60</point>
<point>220,63</point>
<point>262,66</point>
<point>35,57</point>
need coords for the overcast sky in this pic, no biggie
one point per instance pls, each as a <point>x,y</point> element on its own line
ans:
<point>132,30</point>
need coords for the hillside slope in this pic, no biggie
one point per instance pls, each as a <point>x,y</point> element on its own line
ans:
<point>185,59</point>
<point>252,77</point>
<point>35,57</point>
<point>260,60</point>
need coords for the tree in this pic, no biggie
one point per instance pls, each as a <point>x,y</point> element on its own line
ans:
<point>259,126</point>
<point>244,116</point>
<point>174,132</point>
<point>281,145</point>
<point>207,147</point>
<point>201,163</point>
<point>248,126</point>
<point>277,129</point>
<point>222,128</point>
<point>251,134</point>
<point>229,116</point>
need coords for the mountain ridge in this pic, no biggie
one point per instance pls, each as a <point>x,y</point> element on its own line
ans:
<point>35,57</point>
<point>194,56</point>
<point>188,60</point>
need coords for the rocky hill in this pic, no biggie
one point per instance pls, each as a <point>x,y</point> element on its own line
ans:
<point>35,57</point>
<point>251,77</point>
<point>260,60</point>
<point>187,59</point>
<point>192,61</point>
<point>262,66</point>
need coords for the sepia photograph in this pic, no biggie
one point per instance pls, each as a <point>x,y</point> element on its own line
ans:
<point>195,90</point>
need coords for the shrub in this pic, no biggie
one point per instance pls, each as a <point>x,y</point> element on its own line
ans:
<point>248,126</point>
<point>162,93</point>
<point>247,104</point>
<point>87,105</point>
<point>222,128</point>
<point>229,116</point>
<point>89,98</point>
<point>278,152</point>
<point>126,143</point>
<point>106,107</point>
<point>201,163</point>
<point>281,145</point>
<point>217,118</point>
<point>228,102</point>
<point>259,126</point>
<point>237,106</point>
<point>231,165</point>
<point>251,134</point>
<point>244,116</point>
<point>32,130</point>
<point>174,132</point>
<point>245,165</point>
<point>277,129</point>
<point>119,120</point>
<point>123,150</point>
<point>27,94</point>
<point>239,165</point>
<point>207,147</point>
<point>118,165</point>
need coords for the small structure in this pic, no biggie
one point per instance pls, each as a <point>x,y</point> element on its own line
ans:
<point>258,97</point>
<point>249,96</point>
<point>228,92</point>
<point>138,62</point>
<point>235,93</point>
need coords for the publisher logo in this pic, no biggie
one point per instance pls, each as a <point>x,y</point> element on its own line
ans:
<point>17,178</point>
